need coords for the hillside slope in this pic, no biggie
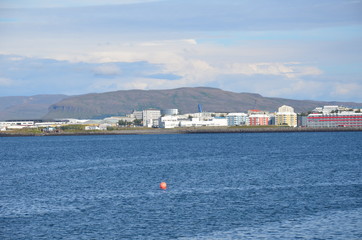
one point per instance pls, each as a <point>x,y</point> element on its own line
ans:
<point>185,99</point>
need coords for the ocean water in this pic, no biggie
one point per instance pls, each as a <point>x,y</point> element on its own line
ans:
<point>220,186</point>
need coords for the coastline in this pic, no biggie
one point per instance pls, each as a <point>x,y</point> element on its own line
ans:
<point>192,130</point>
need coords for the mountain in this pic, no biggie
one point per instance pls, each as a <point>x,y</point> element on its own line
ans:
<point>21,107</point>
<point>98,105</point>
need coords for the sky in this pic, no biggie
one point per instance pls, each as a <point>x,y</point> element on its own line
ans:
<point>298,49</point>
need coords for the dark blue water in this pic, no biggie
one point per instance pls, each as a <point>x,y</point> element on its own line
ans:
<point>220,186</point>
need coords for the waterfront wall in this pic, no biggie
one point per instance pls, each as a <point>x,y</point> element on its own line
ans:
<point>186,131</point>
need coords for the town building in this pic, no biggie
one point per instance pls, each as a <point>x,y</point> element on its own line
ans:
<point>257,111</point>
<point>302,121</point>
<point>150,117</point>
<point>237,119</point>
<point>286,116</point>
<point>169,121</point>
<point>138,115</point>
<point>334,116</point>
<point>271,119</point>
<point>196,122</point>
<point>343,119</point>
<point>16,124</point>
<point>258,119</point>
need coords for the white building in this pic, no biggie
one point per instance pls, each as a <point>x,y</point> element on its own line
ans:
<point>237,119</point>
<point>196,122</point>
<point>169,121</point>
<point>334,116</point>
<point>114,120</point>
<point>16,124</point>
<point>149,117</point>
<point>329,109</point>
<point>201,115</point>
<point>51,124</point>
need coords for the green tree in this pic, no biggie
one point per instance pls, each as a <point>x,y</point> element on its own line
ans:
<point>122,123</point>
<point>72,127</point>
<point>137,122</point>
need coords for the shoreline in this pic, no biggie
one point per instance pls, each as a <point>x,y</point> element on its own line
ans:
<point>198,130</point>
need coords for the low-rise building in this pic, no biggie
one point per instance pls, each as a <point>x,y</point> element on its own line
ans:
<point>17,124</point>
<point>196,122</point>
<point>169,121</point>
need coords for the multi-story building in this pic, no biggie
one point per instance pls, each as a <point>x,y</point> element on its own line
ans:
<point>150,117</point>
<point>237,119</point>
<point>258,119</point>
<point>343,119</point>
<point>286,116</point>
<point>137,114</point>
<point>302,121</point>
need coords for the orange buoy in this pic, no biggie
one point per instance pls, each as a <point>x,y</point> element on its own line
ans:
<point>163,185</point>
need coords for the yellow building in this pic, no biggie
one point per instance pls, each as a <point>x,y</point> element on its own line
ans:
<point>286,116</point>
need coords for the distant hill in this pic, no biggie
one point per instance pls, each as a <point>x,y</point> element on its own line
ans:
<point>98,105</point>
<point>21,107</point>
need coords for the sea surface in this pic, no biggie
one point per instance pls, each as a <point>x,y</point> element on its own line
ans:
<point>220,186</point>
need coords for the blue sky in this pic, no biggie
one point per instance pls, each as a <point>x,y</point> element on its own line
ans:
<point>300,49</point>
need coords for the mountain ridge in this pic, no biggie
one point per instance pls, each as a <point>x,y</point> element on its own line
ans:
<point>186,99</point>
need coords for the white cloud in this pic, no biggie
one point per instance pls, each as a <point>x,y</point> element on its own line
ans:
<point>309,89</point>
<point>108,69</point>
<point>288,69</point>
<point>347,89</point>
<point>203,64</point>
<point>6,81</point>
<point>196,64</point>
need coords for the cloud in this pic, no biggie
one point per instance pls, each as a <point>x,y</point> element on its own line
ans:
<point>345,90</point>
<point>66,3</point>
<point>273,47</point>
<point>164,76</point>
<point>107,69</point>
<point>5,82</point>
<point>289,70</point>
